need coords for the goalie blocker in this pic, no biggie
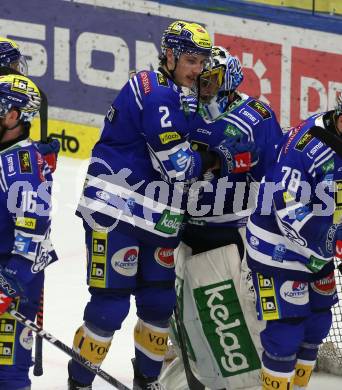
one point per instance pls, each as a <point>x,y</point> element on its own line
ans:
<point>219,319</point>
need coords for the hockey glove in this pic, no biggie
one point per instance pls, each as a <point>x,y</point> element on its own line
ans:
<point>8,290</point>
<point>50,151</point>
<point>14,278</point>
<point>236,157</point>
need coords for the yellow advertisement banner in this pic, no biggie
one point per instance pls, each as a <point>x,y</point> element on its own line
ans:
<point>76,140</point>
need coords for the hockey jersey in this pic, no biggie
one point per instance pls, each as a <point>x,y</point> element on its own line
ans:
<point>292,229</point>
<point>143,164</point>
<point>226,201</point>
<point>25,207</point>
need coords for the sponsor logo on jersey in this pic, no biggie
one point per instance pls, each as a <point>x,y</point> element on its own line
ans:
<point>146,83</point>
<point>279,252</point>
<point>232,131</point>
<point>203,131</point>
<point>10,162</point>
<point>130,203</point>
<point>164,257</point>
<point>26,339</point>
<point>295,292</point>
<point>99,246</point>
<point>228,157</point>
<point>7,326</point>
<point>162,80</point>
<point>329,243</point>
<point>25,222</point>
<point>304,141</point>
<point>97,271</point>
<point>25,161</point>
<point>268,301</point>
<point>103,195</point>
<point>111,113</point>
<point>265,283</point>
<point>315,264</point>
<point>179,160</point>
<point>292,134</point>
<point>6,352</point>
<point>22,244</point>
<point>169,136</point>
<point>328,166</point>
<point>224,325</point>
<point>314,150</point>
<point>326,285</point>
<point>288,197</point>
<point>169,223</point>
<point>248,115</point>
<point>301,213</point>
<point>260,109</point>
<point>125,261</point>
<point>254,241</point>
<point>98,259</point>
<point>242,162</point>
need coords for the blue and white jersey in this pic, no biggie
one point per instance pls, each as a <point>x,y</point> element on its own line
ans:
<point>143,163</point>
<point>293,226</point>
<point>25,207</point>
<point>225,201</point>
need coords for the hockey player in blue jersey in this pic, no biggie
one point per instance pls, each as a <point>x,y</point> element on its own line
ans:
<point>13,62</point>
<point>291,241</point>
<point>11,57</point>
<point>227,114</point>
<point>25,205</point>
<point>133,206</point>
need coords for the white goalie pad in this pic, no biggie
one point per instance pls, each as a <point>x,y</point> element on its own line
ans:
<point>222,330</point>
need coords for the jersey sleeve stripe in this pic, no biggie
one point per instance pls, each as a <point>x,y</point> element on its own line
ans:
<point>137,98</point>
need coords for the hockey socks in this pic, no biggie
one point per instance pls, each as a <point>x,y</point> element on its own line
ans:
<point>93,344</point>
<point>150,347</point>
<point>276,380</point>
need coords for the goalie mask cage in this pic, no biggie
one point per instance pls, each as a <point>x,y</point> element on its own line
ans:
<point>330,352</point>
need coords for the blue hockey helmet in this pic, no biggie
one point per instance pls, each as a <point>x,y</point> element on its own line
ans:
<point>218,81</point>
<point>19,92</point>
<point>186,37</point>
<point>11,57</point>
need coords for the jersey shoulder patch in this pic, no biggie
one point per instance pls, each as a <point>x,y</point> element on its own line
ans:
<point>260,109</point>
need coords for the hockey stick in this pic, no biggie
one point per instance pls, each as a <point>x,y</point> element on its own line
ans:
<point>63,347</point>
<point>38,350</point>
<point>193,382</point>
<point>43,113</point>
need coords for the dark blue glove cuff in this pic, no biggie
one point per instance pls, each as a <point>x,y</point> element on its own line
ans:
<point>52,146</point>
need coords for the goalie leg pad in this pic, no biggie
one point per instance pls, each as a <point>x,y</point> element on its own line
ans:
<point>150,347</point>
